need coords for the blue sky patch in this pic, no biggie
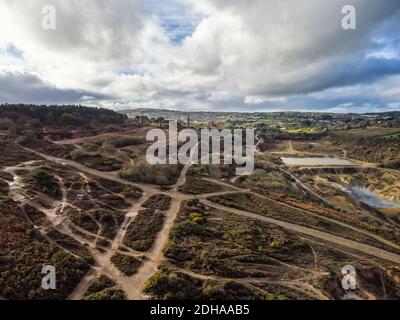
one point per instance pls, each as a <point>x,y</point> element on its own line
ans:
<point>178,21</point>
<point>14,51</point>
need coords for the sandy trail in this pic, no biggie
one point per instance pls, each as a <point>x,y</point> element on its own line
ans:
<point>82,287</point>
<point>133,286</point>
<point>129,217</point>
<point>154,256</point>
<point>101,174</point>
<point>90,138</point>
<point>297,284</point>
<point>364,248</point>
<point>339,223</point>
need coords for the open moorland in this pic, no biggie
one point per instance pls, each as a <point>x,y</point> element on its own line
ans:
<point>77,193</point>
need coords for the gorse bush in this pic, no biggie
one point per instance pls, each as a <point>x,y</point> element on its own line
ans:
<point>197,218</point>
<point>107,294</point>
<point>126,264</point>
<point>45,182</point>
<point>185,228</point>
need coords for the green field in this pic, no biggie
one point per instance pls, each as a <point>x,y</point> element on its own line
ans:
<point>302,130</point>
<point>377,132</point>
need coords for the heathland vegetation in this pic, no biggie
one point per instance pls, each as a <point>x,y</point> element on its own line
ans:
<point>77,193</point>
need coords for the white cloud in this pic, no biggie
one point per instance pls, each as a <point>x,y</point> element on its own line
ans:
<point>238,53</point>
<point>262,99</point>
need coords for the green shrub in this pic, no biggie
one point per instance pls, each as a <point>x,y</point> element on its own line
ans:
<point>100,284</point>
<point>107,294</point>
<point>197,218</point>
<point>126,264</point>
<point>45,182</point>
<point>157,285</point>
<point>186,228</point>
<point>80,154</point>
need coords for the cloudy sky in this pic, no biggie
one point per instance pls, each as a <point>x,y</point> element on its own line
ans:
<point>247,55</point>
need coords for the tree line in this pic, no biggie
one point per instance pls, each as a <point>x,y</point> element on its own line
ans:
<point>53,115</point>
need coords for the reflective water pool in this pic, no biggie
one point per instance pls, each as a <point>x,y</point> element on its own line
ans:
<point>371,198</point>
<point>316,162</point>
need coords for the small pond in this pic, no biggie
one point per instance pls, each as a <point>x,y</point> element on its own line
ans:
<point>316,162</point>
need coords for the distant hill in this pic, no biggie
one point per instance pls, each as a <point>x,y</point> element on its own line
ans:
<point>218,115</point>
<point>394,114</point>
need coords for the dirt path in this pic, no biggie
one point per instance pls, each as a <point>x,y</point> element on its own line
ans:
<point>234,179</point>
<point>129,217</point>
<point>342,224</point>
<point>101,174</point>
<point>307,189</point>
<point>182,178</point>
<point>290,148</point>
<point>296,284</point>
<point>154,256</point>
<point>257,146</point>
<point>315,255</point>
<point>61,223</point>
<point>82,287</point>
<point>218,194</point>
<point>132,286</point>
<point>364,248</point>
<point>223,184</point>
<point>339,223</point>
<point>88,138</point>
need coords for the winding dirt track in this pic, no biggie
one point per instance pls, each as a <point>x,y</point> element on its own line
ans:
<point>154,256</point>
<point>364,248</point>
<point>101,174</point>
<point>133,286</point>
<point>82,287</point>
<point>339,223</point>
<point>251,281</point>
